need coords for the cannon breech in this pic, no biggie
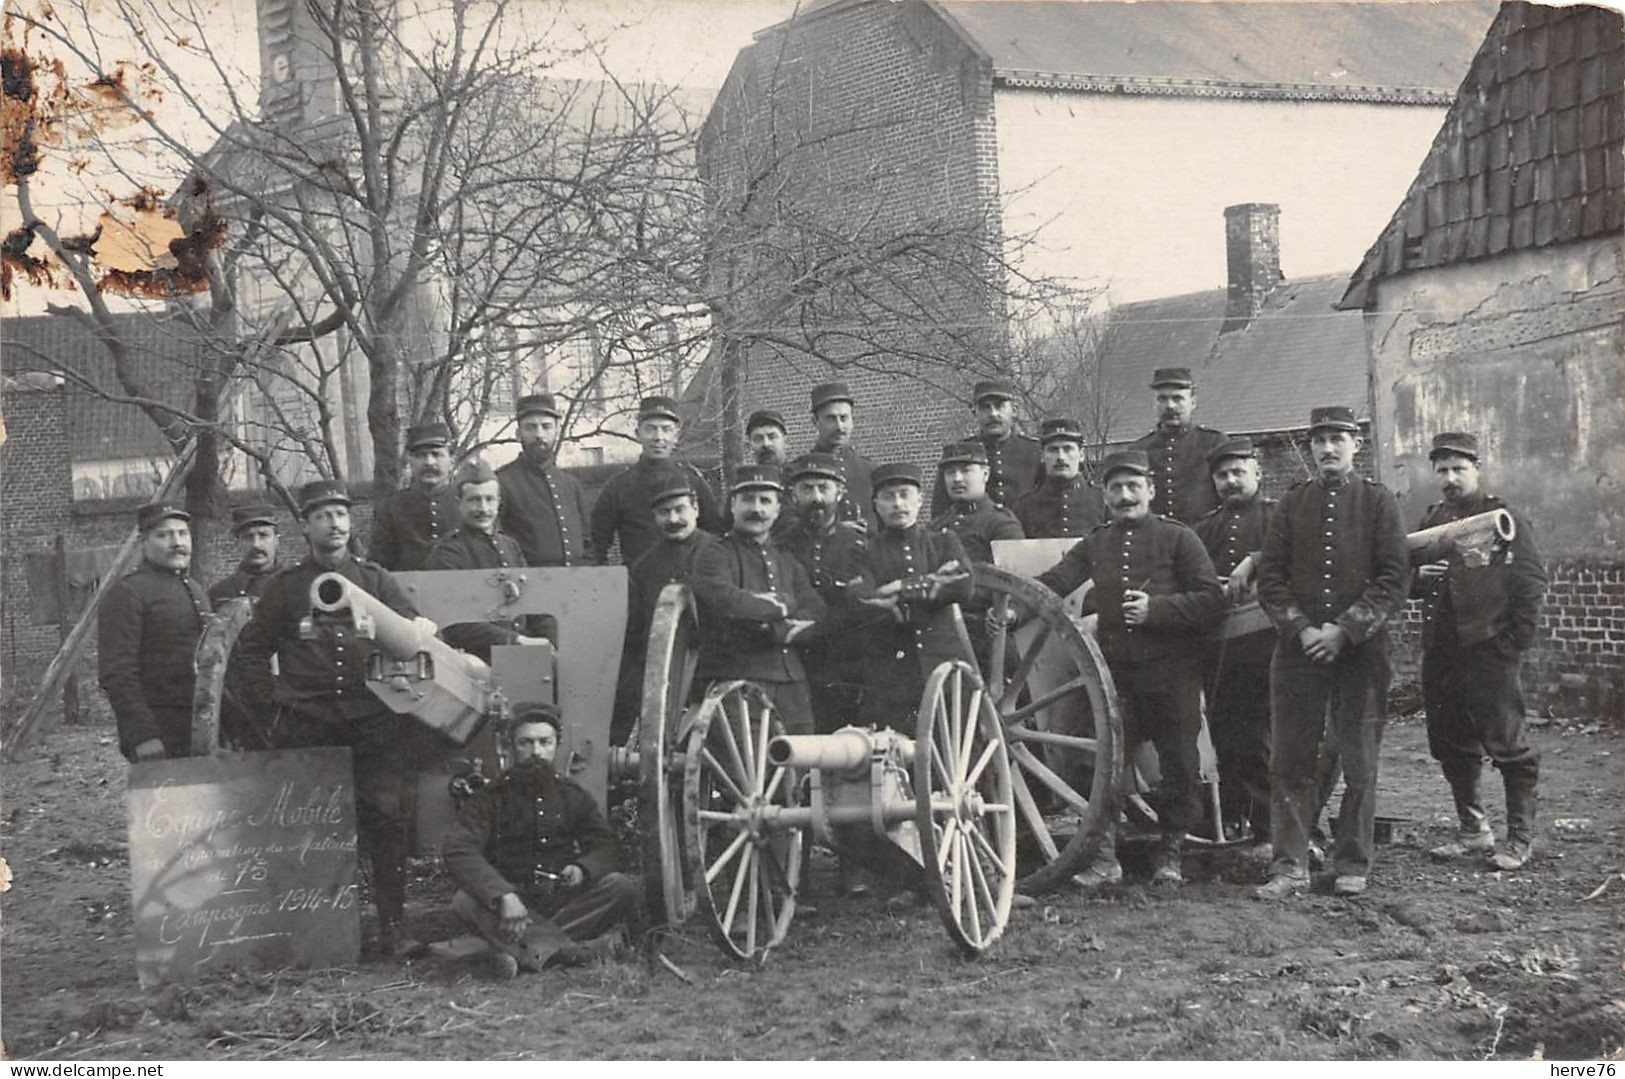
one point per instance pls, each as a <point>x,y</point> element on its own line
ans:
<point>1474,537</point>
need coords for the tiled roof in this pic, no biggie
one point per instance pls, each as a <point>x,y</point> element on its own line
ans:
<point>1531,153</point>
<point>1406,52</point>
<point>1297,354</point>
<point>164,352</point>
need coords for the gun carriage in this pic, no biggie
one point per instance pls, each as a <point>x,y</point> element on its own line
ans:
<point>999,781</point>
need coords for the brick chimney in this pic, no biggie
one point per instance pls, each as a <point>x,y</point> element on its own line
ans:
<point>1252,243</point>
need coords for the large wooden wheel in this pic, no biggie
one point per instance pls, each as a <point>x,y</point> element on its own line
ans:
<point>965,808</point>
<point>668,683</point>
<point>1054,696</point>
<point>744,867</point>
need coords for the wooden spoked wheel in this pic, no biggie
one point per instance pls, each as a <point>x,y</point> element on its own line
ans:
<point>1055,697</point>
<point>668,682</point>
<point>745,866</point>
<point>965,810</point>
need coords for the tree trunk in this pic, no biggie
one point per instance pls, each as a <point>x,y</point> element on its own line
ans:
<point>729,421</point>
<point>384,412</point>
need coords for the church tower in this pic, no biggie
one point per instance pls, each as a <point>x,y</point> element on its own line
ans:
<point>298,85</point>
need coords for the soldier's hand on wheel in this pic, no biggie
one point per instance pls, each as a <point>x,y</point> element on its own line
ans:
<point>1432,571</point>
<point>994,621</point>
<point>572,875</point>
<point>150,750</point>
<point>515,917</point>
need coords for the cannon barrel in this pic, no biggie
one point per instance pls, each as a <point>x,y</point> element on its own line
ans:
<point>433,682</point>
<point>847,750</point>
<point>1476,533</point>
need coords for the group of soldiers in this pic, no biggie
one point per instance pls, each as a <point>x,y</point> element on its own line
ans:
<point>817,579</point>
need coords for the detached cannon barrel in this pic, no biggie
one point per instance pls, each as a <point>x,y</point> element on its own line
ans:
<point>430,680</point>
<point>847,750</point>
<point>1473,536</point>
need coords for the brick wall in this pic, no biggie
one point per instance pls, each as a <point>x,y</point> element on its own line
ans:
<point>879,114</point>
<point>35,482</point>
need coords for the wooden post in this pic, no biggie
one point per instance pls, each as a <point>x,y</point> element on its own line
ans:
<point>74,643</point>
<point>64,601</point>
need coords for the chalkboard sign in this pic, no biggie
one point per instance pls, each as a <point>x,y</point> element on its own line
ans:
<point>243,860</point>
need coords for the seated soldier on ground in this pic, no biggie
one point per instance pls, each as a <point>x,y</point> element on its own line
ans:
<point>536,864</point>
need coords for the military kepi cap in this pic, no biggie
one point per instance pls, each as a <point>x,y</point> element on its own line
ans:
<point>828,393</point>
<point>659,407</point>
<point>1454,443</point>
<point>1240,446</point>
<point>259,513</point>
<point>816,463</point>
<point>426,436</point>
<point>475,471</point>
<point>1060,429</point>
<point>963,453</point>
<point>1176,377</point>
<point>1333,417</point>
<point>539,712</point>
<point>543,403</point>
<point>757,478</point>
<point>1125,461</point>
<point>1001,389</point>
<point>320,493</point>
<point>669,484</point>
<point>765,417</point>
<point>902,472</point>
<point>150,515</point>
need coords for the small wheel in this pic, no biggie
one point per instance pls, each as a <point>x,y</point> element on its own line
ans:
<point>965,807</point>
<point>668,681</point>
<point>745,866</point>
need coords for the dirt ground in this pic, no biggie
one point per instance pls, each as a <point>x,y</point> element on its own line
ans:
<point>1436,961</point>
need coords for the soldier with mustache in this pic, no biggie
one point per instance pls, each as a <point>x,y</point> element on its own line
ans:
<point>407,524</point>
<point>543,507</point>
<point>1178,447</point>
<point>147,632</point>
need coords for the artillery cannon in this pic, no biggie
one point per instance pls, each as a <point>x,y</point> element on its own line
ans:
<point>1474,538</point>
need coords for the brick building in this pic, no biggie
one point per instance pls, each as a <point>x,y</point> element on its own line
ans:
<point>35,479</point>
<point>1121,129</point>
<point>1492,301</point>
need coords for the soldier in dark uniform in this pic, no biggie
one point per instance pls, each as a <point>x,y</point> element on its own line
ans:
<point>910,573</point>
<point>320,697</point>
<point>622,508</point>
<point>676,511</point>
<point>1157,597</point>
<point>255,529</point>
<point>537,867</point>
<point>1479,618</point>
<point>1015,462</point>
<point>147,632</point>
<point>407,524</point>
<point>832,411</point>
<point>477,543</point>
<point>543,507</point>
<point>1238,698</point>
<point>1334,570</point>
<point>1065,503</point>
<point>967,511</point>
<point>832,552</point>
<point>1178,449</point>
<point>257,539</point>
<point>756,604</point>
<point>768,437</point>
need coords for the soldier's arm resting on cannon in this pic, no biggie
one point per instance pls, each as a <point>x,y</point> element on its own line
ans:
<point>714,588</point>
<point>118,648</point>
<point>476,638</point>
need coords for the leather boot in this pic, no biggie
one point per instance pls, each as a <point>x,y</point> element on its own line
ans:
<point>1473,832</point>
<point>1521,803</point>
<point>1167,870</point>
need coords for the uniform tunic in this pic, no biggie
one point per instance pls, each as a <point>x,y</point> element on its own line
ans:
<point>241,582</point>
<point>469,548</point>
<point>623,509</point>
<point>1180,470</point>
<point>1238,689</point>
<point>407,524</point>
<point>1335,552</point>
<point>1476,623</point>
<point>320,698</point>
<point>858,502</point>
<point>147,632</point>
<point>1015,465</point>
<point>1058,508</point>
<point>545,511</point>
<point>893,651</point>
<point>978,524</point>
<point>833,557</point>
